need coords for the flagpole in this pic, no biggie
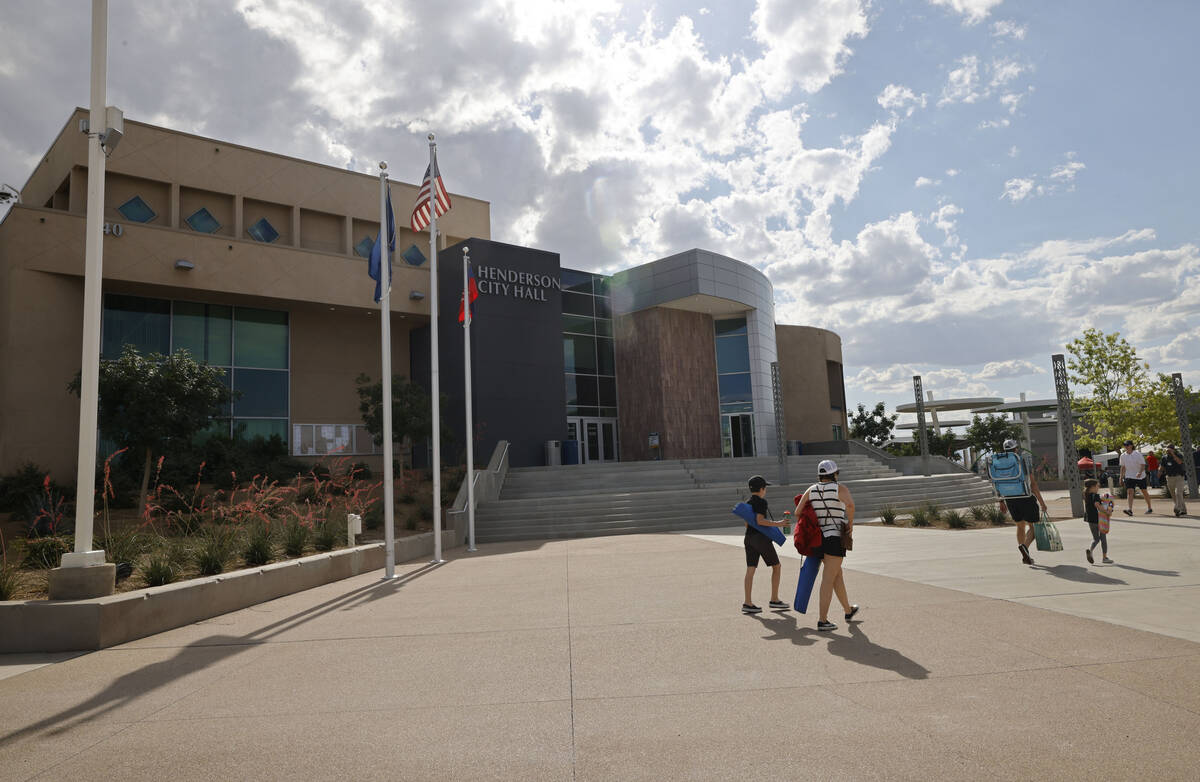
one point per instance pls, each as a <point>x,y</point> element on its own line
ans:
<point>385,332</point>
<point>470,474</point>
<point>433,349</point>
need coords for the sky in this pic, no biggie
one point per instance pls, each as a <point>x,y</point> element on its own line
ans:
<point>956,187</point>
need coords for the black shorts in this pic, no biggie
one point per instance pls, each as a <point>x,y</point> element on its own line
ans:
<point>759,545</point>
<point>1135,483</point>
<point>832,547</point>
<point>1023,509</point>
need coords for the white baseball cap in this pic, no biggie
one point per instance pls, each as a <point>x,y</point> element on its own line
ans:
<point>827,467</point>
<point>1010,444</point>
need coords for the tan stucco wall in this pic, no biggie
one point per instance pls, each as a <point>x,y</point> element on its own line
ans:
<point>802,353</point>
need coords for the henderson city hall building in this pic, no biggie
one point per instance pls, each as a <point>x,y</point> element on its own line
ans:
<point>256,263</point>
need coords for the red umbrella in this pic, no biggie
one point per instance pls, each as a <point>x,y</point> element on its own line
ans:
<point>1086,464</point>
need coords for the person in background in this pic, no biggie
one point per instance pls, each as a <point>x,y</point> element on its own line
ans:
<point>1152,468</point>
<point>1094,507</point>
<point>1174,471</point>
<point>1133,476</point>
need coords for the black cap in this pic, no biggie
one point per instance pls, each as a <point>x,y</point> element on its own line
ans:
<point>1128,442</point>
<point>756,482</point>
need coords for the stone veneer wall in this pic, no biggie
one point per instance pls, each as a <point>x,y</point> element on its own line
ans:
<point>667,383</point>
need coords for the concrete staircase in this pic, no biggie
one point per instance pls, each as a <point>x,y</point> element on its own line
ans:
<point>626,497</point>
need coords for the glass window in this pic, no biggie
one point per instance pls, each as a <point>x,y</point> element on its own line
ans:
<point>738,407</point>
<point>577,304</point>
<point>260,338</point>
<point>581,282</point>
<point>603,307</point>
<point>602,285</point>
<point>260,392</point>
<point>608,390</point>
<point>585,390</point>
<point>202,220</point>
<point>604,328</point>
<point>249,428</point>
<point>137,210</point>
<point>412,256</point>
<point>132,320</point>
<point>735,388</point>
<point>263,231</point>
<point>608,412</point>
<point>579,353</point>
<point>204,330</point>
<point>730,326</point>
<point>590,412</point>
<point>578,324</point>
<point>606,363</point>
<point>364,247</point>
<point>733,354</point>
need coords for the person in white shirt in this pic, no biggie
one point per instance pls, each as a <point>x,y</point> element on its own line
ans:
<point>1133,475</point>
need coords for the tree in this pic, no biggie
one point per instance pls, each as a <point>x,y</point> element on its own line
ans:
<point>873,426</point>
<point>1109,367</point>
<point>412,410</point>
<point>153,402</point>
<point>989,434</point>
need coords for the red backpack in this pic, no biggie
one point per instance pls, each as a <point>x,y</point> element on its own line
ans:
<point>808,536</point>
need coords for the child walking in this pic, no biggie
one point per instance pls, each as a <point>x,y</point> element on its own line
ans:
<point>759,545</point>
<point>1099,515</point>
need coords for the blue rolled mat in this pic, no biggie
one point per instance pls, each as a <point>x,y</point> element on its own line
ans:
<point>804,585</point>
<point>746,513</point>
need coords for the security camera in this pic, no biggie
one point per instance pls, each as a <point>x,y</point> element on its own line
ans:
<point>114,129</point>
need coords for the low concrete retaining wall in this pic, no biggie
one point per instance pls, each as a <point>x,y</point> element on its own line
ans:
<point>85,625</point>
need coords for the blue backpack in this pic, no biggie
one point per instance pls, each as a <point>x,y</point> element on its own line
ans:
<point>1009,474</point>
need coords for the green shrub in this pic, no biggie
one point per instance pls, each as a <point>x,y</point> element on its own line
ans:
<point>257,550</point>
<point>47,552</point>
<point>215,549</point>
<point>295,537</point>
<point>159,570</point>
<point>425,512</point>
<point>887,514</point>
<point>996,515</point>
<point>124,545</point>
<point>955,520</point>
<point>19,485</point>
<point>373,518</point>
<point>361,471</point>
<point>933,512</point>
<point>920,517</point>
<point>327,533</point>
<point>10,582</point>
<point>980,513</point>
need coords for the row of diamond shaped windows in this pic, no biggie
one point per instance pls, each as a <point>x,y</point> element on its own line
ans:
<point>138,211</point>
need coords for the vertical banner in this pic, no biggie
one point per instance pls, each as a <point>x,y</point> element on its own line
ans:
<point>923,437</point>
<point>780,433</point>
<point>1066,428</point>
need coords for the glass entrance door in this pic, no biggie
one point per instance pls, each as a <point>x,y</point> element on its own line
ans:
<point>597,438</point>
<point>737,434</point>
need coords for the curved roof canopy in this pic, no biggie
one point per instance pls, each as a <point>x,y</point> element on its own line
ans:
<point>962,403</point>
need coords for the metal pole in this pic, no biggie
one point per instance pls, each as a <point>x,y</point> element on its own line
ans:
<point>470,415</point>
<point>93,274</point>
<point>924,440</point>
<point>385,333</point>
<point>1185,432</point>
<point>780,437</point>
<point>435,380</point>
<point>1066,429</point>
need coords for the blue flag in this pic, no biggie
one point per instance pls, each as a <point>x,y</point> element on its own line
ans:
<point>377,252</point>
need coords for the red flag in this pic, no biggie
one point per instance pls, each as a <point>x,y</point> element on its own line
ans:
<point>473,290</point>
<point>441,199</point>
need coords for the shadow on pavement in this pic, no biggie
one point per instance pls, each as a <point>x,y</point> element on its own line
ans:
<point>200,654</point>
<point>1077,573</point>
<point>855,647</point>
<point>1148,571</point>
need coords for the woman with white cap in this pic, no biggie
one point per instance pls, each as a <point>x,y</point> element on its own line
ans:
<point>835,512</point>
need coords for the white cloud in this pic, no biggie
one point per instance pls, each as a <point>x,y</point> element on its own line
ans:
<point>897,98</point>
<point>1007,369</point>
<point>962,83</point>
<point>1066,172</point>
<point>973,11</point>
<point>924,181</point>
<point>805,43</point>
<point>1003,122</point>
<point>1013,151</point>
<point>952,172</point>
<point>1018,189</point>
<point>1006,28</point>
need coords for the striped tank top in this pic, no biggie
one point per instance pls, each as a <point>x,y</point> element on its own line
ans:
<point>831,511</point>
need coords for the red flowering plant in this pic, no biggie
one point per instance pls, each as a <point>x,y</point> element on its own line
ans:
<point>47,511</point>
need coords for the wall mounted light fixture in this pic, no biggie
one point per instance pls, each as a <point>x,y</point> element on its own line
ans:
<point>185,265</point>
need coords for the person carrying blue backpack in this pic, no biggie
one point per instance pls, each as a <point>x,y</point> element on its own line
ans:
<point>1012,476</point>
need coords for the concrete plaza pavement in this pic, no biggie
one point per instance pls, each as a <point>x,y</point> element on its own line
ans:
<point>619,658</point>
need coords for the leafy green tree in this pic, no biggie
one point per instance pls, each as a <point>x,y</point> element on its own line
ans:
<point>945,444</point>
<point>412,410</point>
<point>874,426</point>
<point>1115,377</point>
<point>154,402</point>
<point>989,433</point>
<point>1155,420</point>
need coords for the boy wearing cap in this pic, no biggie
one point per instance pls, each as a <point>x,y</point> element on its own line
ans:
<point>1133,475</point>
<point>759,546</point>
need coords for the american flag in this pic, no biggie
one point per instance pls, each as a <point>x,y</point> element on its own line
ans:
<point>441,199</point>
